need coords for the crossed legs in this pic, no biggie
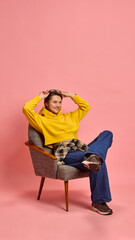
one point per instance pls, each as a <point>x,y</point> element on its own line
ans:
<point>99,182</point>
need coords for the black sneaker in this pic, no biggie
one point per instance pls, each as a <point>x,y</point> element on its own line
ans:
<point>101,208</point>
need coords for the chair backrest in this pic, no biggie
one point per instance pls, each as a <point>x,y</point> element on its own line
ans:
<point>37,138</point>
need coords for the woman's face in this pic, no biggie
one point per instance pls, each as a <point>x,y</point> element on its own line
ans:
<point>54,104</point>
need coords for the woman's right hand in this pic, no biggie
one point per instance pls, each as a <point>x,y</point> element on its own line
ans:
<point>43,94</point>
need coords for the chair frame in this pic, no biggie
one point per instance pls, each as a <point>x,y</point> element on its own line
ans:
<point>32,145</point>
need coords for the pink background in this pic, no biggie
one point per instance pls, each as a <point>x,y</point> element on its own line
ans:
<point>83,46</point>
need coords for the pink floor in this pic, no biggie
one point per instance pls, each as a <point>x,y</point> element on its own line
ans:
<point>23,217</point>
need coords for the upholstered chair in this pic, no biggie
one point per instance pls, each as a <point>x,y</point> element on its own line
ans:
<point>45,163</point>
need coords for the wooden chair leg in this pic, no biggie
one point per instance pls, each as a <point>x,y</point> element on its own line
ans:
<point>40,188</point>
<point>66,194</point>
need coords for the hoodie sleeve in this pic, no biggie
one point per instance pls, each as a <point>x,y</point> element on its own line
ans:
<point>83,108</point>
<point>33,118</point>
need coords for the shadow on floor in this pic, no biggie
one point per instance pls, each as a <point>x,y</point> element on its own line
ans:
<point>56,198</point>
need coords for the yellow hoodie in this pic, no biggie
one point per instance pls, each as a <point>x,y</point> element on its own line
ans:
<point>56,128</point>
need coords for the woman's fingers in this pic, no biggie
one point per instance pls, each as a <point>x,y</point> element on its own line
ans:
<point>43,94</point>
<point>68,94</point>
<point>65,94</point>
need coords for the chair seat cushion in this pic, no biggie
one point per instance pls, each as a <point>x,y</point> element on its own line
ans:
<point>65,172</point>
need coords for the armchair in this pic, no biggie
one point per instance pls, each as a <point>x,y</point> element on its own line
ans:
<point>45,163</point>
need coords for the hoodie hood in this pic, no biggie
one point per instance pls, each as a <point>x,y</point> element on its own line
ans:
<point>44,112</point>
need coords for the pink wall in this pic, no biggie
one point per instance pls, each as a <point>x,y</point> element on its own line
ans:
<point>86,47</point>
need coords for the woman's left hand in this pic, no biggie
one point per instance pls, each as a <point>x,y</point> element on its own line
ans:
<point>68,94</point>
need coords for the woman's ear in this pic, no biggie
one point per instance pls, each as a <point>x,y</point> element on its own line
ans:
<point>46,104</point>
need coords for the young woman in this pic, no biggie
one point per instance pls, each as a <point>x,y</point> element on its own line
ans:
<point>60,131</point>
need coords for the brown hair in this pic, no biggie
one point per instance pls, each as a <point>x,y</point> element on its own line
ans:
<point>52,92</point>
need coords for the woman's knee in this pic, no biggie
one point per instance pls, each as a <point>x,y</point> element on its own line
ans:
<point>109,134</point>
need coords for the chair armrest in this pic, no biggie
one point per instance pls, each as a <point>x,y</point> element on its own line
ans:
<point>44,163</point>
<point>32,145</point>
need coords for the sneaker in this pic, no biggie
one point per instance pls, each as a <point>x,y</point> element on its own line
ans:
<point>101,208</point>
<point>93,162</point>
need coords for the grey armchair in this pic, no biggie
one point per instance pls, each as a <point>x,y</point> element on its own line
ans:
<point>45,163</point>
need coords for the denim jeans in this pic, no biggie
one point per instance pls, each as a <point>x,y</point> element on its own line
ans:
<point>99,182</point>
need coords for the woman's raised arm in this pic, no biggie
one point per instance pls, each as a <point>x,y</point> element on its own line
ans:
<point>67,94</point>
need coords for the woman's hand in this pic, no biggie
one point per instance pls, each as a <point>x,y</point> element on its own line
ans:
<point>68,94</point>
<point>43,94</point>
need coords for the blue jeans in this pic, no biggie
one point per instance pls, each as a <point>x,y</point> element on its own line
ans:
<point>99,183</point>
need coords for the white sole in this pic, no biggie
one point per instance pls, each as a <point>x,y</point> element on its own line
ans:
<point>88,165</point>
